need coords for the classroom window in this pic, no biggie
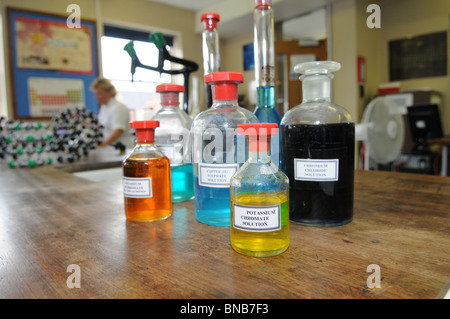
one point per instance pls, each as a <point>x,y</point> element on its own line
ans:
<point>139,96</point>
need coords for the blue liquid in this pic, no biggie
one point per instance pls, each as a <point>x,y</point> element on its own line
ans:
<point>265,109</point>
<point>182,177</point>
<point>266,112</point>
<point>212,205</point>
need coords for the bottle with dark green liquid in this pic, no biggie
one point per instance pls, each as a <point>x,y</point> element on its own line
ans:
<point>317,151</point>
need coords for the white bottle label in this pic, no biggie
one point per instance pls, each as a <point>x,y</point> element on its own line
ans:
<point>137,187</point>
<point>257,219</point>
<point>216,175</point>
<point>318,170</point>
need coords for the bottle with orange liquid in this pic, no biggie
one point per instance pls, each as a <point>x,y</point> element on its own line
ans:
<point>146,177</point>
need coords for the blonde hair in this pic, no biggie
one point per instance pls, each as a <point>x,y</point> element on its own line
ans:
<point>105,84</point>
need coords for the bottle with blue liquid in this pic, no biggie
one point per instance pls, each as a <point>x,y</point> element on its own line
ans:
<point>173,138</point>
<point>216,156</point>
<point>265,110</point>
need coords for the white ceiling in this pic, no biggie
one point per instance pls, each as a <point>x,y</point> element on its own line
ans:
<point>309,26</point>
<point>193,5</point>
<point>233,22</point>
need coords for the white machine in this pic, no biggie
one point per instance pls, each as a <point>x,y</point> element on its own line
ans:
<point>382,130</point>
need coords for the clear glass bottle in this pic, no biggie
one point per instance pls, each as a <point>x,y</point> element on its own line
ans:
<point>215,156</point>
<point>210,48</point>
<point>259,197</point>
<point>317,151</point>
<point>173,138</point>
<point>264,54</point>
<point>146,177</point>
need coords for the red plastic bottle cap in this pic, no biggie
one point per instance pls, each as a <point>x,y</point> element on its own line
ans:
<point>145,130</point>
<point>258,135</point>
<point>224,84</point>
<point>263,3</point>
<point>210,20</point>
<point>169,93</point>
<point>169,88</point>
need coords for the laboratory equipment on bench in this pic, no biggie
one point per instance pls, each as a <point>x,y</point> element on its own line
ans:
<point>210,49</point>
<point>146,177</point>
<point>425,125</point>
<point>173,138</point>
<point>215,156</point>
<point>71,135</point>
<point>259,197</point>
<point>317,151</point>
<point>158,39</point>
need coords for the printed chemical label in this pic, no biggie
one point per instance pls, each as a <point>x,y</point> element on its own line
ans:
<point>319,170</point>
<point>137,187</point>
<point>216,175</point>
<point>257,219</point>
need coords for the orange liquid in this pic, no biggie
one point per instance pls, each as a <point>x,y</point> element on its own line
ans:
<point>159,206</point>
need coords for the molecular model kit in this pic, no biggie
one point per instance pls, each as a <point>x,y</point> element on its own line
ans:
<point>70,135</point>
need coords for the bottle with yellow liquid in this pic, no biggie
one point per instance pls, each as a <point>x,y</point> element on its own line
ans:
<point>259,197</point>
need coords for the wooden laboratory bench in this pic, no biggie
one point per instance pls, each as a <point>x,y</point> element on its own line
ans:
<point>50,219</point>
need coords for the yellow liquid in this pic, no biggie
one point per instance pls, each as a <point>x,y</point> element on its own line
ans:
<point>261,244</point>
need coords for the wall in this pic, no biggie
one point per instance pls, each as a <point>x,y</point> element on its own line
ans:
<point>406,18</point>
<point>143,13</point>
<point>343,36</point>
<point>232,59</point>
<point>350,38</point>
<point>368,46</point>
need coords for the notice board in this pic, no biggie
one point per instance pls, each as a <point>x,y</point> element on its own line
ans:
<point>52,65</point>
<point>418,57</point>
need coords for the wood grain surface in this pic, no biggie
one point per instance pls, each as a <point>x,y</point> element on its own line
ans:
<point>50,219</point>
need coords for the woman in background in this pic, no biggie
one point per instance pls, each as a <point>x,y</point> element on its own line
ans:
<point>113,115</point>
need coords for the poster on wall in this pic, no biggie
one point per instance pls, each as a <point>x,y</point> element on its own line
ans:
<point>52,65</point>
<point>48,97</point>
<point>51,45</point>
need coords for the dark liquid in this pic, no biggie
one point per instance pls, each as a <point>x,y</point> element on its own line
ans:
<point>320,203</point>
<point>209,99</point>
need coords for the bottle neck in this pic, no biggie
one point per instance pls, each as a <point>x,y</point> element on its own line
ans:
<point>210,24</point>
<point>171,107</point>
<point>316,87</point>
<point>259,148</point>
<point>224,93</point>
<point>144,143</point>
<point>169,98</point>
<point>224,104</point>
<point>210,51</point>
<point>145,136</point>
<point>260,157</point>
<point>265,96</point>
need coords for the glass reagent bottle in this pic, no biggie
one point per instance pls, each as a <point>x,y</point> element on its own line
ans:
<point>259,198</point>
<point>215,154</point>
<point>317,151</point>
<point>172,137</point>
<point>146,177</point>
<point>210,49</point>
